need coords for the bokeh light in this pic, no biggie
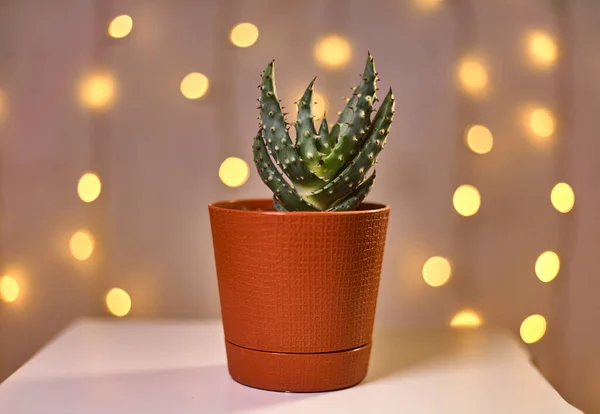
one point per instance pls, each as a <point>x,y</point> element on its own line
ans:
<point>533,328</point>
<point>234,172</point>
<point>194,85</point>
<point>120,26</point>
<point>436,271</point>
<point>333,51</point>
<point>9,289</point>
<point>466,319</point>
<point>479,139</point>
<point>97,91</point>
<point>543,48</point>
<point>473,76</point>
<point>466,200</point>
<point>118,302</point>
<point>541,122</point>
<point>547,266</point>
<point>562,197</point>
<point>244,35</point>
<point>81,245</point>
<point>89,187</point>
<point>427,5</point>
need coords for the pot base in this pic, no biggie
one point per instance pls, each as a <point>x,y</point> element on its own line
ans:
<point>316,372</point>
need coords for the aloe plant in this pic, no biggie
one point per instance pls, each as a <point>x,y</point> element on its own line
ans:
<point>324,169</point>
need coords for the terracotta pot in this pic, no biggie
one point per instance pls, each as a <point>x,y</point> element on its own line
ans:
<point>298,292</point>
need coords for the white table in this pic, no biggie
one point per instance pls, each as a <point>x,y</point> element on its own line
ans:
<point>156,367</point>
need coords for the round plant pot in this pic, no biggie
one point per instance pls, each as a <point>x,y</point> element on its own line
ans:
<point>298,292</point>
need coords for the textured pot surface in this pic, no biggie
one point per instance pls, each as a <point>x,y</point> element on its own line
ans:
<point>297,283</point>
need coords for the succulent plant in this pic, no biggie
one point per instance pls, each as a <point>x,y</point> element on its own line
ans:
<point>324,169</point>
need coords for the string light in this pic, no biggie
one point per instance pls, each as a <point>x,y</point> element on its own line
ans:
<point>81,245</point>
<point>466,200</point>
<point>541,122</point>
<point>333,52</point>
<point>547,266</point>
<point>89,187</point>
<point>436,271</point>
<point>479,139</point>
<point>234,172</point>
<point>533,328</point>
<point>118,302</point>
<point>466,319</point>
<point>473,76</point>
<point>562,197</point>
<point>9,289</point>
<point>97,91</point>
<point>543,48</point>
<point>244,35</point>
<point>120,26</point>
<point>194,85</point>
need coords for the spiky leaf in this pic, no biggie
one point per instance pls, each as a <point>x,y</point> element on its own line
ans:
<point>323,137</point>
<point>306,135</point>
<point>273,178</point>
<point>352,125</point>
<point>355,198</point>
<point>278,139</point>
<point>354,173</point>
<point>324,170</point>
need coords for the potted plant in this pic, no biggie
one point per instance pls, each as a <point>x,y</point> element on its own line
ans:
<point>299,274</point>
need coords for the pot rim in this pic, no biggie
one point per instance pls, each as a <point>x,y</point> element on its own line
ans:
<point>229,206</point>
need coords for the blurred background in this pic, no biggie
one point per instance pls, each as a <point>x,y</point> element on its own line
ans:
<point>120,121</point>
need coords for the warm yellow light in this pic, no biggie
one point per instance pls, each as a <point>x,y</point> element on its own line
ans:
<point>466,200</point>
<point>541,122</point>
<point>547,266</point>
<point>194,85</point>
<point>473,76</point>
<point>562,197</point>
<point>234,172</point>
<point>89,187</point>
<point>333,51</point>
<point>9,289</point>
<point>120,26</point>
<point>479,139</point>
<point>3,107</point>
<point>466,319</point>
<point>118,302</point>
<point>427,4</point>
<point>543,48</point>
<point>81,245</point>
<point>436,271</point>
<point>533,328</point>
<point>244,35</point>
<point>97,91</point>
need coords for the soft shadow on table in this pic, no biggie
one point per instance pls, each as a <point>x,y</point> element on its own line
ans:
<point>207,390</point>
<point>395,352</point>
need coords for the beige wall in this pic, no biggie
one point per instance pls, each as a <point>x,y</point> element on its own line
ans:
<point>158,155</point>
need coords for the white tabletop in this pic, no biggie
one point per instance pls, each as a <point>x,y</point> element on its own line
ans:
<point>156,367</point>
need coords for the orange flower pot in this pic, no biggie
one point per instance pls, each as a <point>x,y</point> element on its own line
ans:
<point>298,292</point>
